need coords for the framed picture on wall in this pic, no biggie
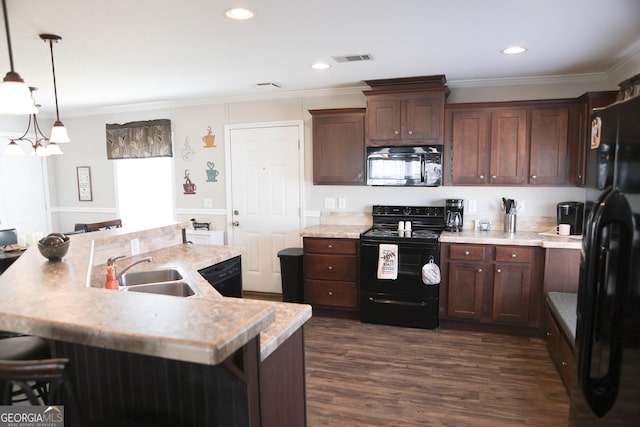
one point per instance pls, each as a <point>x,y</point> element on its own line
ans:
<point>84,183</point>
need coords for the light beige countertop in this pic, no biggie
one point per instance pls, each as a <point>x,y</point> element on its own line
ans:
<point>65,301</point>
<point>520,238</point>
<point>335,231</point>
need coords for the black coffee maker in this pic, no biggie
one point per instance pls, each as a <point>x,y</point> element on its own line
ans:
<point>453,214</point>
<point>571,213</point>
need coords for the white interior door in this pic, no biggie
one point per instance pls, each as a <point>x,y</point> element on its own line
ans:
<point>265,199</point>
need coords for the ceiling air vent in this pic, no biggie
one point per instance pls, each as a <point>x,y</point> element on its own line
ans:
<point>268,85</point>
<point>353,58</point>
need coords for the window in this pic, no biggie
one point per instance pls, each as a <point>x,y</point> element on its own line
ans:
<point>144,191</point>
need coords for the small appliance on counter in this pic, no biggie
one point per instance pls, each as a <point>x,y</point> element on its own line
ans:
<point>571,213</point>
<point>453,214</point>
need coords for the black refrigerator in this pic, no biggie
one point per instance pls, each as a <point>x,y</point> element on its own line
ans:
<point>605,388</point>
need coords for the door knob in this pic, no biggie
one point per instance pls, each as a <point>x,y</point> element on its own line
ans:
<point>235,223</point>
<point>236,212</point>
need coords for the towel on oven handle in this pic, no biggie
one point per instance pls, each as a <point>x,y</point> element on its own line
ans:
<point>388,262</point>
<point>431,273</point>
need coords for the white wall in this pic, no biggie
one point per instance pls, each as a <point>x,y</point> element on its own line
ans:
<point>190,123</point>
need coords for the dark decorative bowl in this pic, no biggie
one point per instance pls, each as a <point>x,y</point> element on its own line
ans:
<point>54,248</point>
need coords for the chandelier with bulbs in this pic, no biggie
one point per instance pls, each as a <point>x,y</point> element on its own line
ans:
<point>17,98</point>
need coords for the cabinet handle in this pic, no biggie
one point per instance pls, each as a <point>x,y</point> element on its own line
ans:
<point>479,270</point>
<point>564,364</point>
<point>396,132</point>
<point>330,267</point>
<point>410,132</point>
<point>514,255</point>
<point>498,270</point>
<point>548,333</point>
<point>466,253</point>
<point>330,293</point>
<point>481,177</point>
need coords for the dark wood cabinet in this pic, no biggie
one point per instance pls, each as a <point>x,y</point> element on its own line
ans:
<point>492,286</point>
<point>586,103</point>
<point>405,111</point>
<point>559,347</point>
<point>338,146</point>
<point>548,158</point>
<point>508,143</point>
<point>405,118</point>
<point>331,273</point>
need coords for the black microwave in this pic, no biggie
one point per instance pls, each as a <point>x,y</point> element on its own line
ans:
<point>405,166</point>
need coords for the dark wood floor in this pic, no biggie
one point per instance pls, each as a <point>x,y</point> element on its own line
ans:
<point>373,375</point>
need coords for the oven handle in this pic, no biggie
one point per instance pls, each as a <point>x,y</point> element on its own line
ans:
<point>396,302</point>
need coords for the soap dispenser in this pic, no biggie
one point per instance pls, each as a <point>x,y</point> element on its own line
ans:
<point>112,280</point>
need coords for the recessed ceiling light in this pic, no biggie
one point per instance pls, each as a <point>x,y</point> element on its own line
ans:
<point>239,13</point>
<point>513,50</point>
<point>320,66</point>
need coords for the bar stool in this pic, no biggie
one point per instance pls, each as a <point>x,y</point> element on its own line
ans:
<point>26,348</point>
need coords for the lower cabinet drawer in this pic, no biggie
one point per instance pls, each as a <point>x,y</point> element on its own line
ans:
<point>514,253</point>
<point>331,267</point>
<point>333,293</point>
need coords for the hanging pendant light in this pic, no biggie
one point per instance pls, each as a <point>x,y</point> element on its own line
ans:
<point>15,96</point>
<point>59,133</point>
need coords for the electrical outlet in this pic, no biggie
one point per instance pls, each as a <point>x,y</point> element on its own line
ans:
<point>342,203</point>
<point>329,203</point>
<point>135,247</point>
<point>472,206</point>
<point>207,203</point>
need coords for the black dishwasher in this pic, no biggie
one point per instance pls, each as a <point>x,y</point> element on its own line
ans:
<point>225,277</point>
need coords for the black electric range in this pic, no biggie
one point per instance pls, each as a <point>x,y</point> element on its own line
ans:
<point>403,300</point>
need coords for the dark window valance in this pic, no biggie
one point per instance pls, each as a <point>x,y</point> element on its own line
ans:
<point>135,140</point>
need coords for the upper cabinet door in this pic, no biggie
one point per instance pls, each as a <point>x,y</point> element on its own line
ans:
<point>424,118</point>
<point>338,146</point>
<point>549,161</point>
<point>383,120</point>
<point>508,147</point>
<point>469,147</point>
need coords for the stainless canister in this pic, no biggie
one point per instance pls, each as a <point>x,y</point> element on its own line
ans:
<point>510,223</point>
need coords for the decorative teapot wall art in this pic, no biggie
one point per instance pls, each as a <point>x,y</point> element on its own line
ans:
<point>189,187</point>
<point>212,174</point>
<point>187,151</point>
<point>209,139</point>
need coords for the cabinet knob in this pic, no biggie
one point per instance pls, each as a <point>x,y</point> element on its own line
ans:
<point>548,333</point>
<point>564,364</point>
<point>330,293</point>
<point>533,176</point>
<point>330,267</point>
<point>396,132</point>
<point>481,177</point>
<point>479,270</point>
<point>330,246</point>
<point>498,270</point>
<point>467,253</point>
<point>410,132</point>
<point>494,176</point>
<point>514,255</point>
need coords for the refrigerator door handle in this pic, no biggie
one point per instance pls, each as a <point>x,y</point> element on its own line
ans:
<point>601,314</point>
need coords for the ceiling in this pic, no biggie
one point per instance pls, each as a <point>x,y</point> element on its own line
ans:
<point>124,52</point>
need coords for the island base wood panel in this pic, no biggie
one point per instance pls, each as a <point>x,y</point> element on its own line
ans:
<point>112,386</point>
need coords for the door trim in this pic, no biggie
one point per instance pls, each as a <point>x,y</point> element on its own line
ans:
<point>227,159</point>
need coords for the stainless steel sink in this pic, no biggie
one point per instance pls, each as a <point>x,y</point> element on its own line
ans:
<point>176,289</point>
<point>150,276</point>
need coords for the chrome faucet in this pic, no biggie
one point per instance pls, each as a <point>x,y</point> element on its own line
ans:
<point>124,270</point>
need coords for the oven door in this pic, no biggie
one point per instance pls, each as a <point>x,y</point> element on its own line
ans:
<point>411,257</point>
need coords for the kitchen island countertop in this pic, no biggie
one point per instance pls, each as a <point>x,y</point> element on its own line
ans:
<point>64,301</point>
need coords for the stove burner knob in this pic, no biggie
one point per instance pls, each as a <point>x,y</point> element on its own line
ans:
<point>406,211</point>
